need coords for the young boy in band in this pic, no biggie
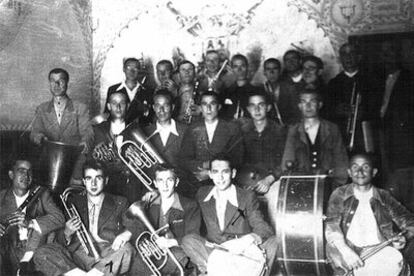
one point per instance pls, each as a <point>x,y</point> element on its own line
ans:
<point>181,214</point>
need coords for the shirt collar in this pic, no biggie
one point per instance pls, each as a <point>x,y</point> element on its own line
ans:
<point>349,192</point>
<point>297,78</point>
<point>123,85</point>
<point>351,75</point>
<point>176,204</point>
<point>172,128</point>
<point>230,194</point>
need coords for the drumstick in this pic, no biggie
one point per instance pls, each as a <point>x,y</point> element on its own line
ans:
<point>222,248</point>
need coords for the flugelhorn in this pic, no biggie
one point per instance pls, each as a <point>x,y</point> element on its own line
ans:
<point>137,153</point>
<point>153,256</point>
<point>82,234</point>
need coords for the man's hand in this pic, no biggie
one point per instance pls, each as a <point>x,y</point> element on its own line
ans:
<point>17,218</point>
<point>263,185</point>
<point>121,240</point>
<point>38,138</point>
<point>201,174</point>
<point>165,243</point>
<point>351,259</point>
<point>85,146</point>
<point>2,230</point>
<point>399,242</point>
<point>71,226</point>
<point>149,196</point>
<point>244,242</point>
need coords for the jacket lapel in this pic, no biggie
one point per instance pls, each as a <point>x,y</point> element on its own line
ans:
<point>231,213</point>
<point>66,116</point>
<point>107,209</point>
<point>210,211</point>
<point>9,203</point>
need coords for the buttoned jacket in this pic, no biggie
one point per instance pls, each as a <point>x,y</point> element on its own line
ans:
<point>74,127</point>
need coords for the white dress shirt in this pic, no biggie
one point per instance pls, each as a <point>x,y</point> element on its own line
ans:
<point>312,131</point>
<point>165,131</point>
<point>211,128</point>
<point>131,93</point>
<point>94,208</point>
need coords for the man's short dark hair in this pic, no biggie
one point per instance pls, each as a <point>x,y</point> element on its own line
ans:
<point>212,52</point>
<point>64,73</point>
<point>165,167</point>
<point>165,62</point>
<point>239,57</point>
<point>95,165</point>
<point>185,61</point>
<point>316,92</point>
<point>259,93</point>
<point>372,159</point>
<point>118,92</point>
<point>133,60</point>
<point>272,60</point>
<point>313,59</point>
<point>163,93</point>
<point>288,52</point>
<point>212,94</point>
<point>221,157</point>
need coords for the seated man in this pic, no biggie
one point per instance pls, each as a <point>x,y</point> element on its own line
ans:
<point>361,216</point>
<point>181,215</point>
<point>208,137</point>
<point>229,213</point>
<point>120,180</point>
<point>103,215</point>
<point>26,219</point>
<point>264,141</point>
<point>315,145</point>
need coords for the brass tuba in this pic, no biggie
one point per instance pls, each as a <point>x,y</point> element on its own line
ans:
<point>153,256</point>
<point>82,234</point>
<point>137,153</point>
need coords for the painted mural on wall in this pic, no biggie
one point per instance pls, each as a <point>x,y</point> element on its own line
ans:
<point>36,36</point>
<point>169,29</point>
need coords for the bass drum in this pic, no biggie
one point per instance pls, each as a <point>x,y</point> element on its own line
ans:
<point>299,225</point>
<point>223,263</point>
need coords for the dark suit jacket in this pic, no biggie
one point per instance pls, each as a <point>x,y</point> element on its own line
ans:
<point>182,221</point>
<point>74,128</point>
<point>398,123</point>
<point>138,106</point>
<point>239,221</point>
<point>44,210</point>
<point>196,149</point>
<point>171,150</point>
<point>333,152</point>
<point>111,222</point>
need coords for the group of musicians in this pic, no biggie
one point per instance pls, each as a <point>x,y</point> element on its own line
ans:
<point>220,144</point>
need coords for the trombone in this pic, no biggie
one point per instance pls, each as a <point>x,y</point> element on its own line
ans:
<point>83,235</point>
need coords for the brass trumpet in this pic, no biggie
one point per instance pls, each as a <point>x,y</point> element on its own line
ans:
<point>153,256</point>
<point>82,234</point>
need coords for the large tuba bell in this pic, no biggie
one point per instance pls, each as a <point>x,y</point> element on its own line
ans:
<point>61,160</point>
<point>153,256</point>
<point>137,153</point>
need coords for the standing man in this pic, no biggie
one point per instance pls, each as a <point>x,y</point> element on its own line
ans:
<point>235,97</point>
<point>23,231</point>
<point>188,93</point>
<point>315,145</point>
<point>63,120</point>
<point>342,94</point>
<point>362,216</point>
<point>208,137</point>
<point>229,213</point>
<point>209,80</point>
<point>165,71</point>
<point>139,96</point>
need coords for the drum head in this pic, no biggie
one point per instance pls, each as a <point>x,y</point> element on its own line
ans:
<point>222,263</point>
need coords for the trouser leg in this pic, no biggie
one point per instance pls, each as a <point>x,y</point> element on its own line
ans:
<point>195,248</point>
<point>53,260</point>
